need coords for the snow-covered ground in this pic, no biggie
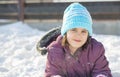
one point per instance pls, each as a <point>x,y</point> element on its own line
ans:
<point>19,58</point>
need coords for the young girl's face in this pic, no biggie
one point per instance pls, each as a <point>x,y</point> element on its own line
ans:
<point>77,37</point>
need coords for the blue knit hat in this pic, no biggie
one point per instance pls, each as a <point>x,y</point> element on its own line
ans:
<point>76,16</point>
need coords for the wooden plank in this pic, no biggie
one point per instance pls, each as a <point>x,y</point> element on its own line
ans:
<point>98,10</point>
<point>21,10</point>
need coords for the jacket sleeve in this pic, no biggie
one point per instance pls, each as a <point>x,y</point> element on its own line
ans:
<point>101,68</point>
<point>53,68</point>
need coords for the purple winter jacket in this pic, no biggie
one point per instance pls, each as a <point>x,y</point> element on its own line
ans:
<point>89,62</point>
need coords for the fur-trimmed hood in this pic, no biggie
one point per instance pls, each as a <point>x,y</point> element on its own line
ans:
<point>49,37</point>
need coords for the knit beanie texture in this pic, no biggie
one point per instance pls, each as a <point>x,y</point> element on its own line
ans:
<point>76,16</point>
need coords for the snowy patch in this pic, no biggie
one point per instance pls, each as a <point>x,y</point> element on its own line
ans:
<point>19,57</point>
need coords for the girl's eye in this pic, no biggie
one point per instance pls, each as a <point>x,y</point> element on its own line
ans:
<point>84,31</point>
<point>73,29</point>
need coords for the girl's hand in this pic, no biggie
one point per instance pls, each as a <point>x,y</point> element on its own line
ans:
<point>56,76</point>
<point>101,75</point>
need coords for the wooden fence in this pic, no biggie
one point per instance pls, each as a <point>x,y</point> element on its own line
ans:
<point>21,10</point>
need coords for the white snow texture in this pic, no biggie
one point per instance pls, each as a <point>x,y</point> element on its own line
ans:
<point>19,57</point>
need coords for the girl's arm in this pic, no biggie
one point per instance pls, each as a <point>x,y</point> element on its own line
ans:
<point>101,68</point>
<point>53,68</point>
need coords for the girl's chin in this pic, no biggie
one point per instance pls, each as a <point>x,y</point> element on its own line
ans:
<point>76,46</point>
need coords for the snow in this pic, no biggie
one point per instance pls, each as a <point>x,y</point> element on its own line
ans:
<point>19,57</point>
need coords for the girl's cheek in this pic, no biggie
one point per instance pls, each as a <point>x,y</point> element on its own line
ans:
<point>69,35</point>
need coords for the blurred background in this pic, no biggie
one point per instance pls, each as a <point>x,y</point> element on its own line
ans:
<point>46,14</point>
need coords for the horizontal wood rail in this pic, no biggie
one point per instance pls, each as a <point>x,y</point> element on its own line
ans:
<point>98,10</point>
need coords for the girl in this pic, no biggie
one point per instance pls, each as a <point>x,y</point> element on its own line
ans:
<point>74,53</point>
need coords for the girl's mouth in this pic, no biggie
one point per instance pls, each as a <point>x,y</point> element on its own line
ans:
<point>77,40</point>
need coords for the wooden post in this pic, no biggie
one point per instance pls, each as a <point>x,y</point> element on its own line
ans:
<point>21,10</point>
